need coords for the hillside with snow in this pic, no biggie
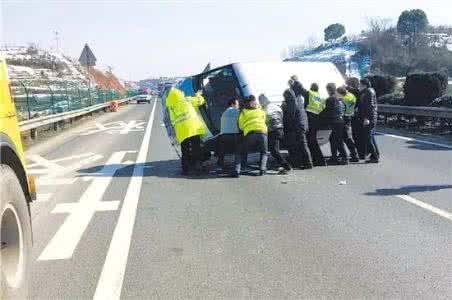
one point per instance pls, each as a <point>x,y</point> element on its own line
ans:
<point>345,55</point>
<point>36,67</point>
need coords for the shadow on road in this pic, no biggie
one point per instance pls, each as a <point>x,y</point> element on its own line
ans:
<point>406,190</point>
<point>163,169</point>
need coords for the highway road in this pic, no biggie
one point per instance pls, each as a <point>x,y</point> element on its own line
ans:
<point>114,219</point>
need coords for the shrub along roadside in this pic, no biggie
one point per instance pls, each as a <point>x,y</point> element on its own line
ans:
<point>422,88</point>
<point>383,85</point>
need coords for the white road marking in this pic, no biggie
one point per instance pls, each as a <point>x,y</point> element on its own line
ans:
<point>65,241</point>
<point>52,171</point>
<point>426,206</point>
<point>132,126</point>
<point>415,140</point>
<point>51,166</point>
<point>55,181</point>
<point>100,206</point>
<point>117,127</point>
<point>112,276</point>
<point>43,197</point>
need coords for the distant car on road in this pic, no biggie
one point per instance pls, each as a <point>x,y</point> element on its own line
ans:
<point>144,98</point>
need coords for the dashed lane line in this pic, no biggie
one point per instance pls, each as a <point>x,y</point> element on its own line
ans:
<point>112,276</point>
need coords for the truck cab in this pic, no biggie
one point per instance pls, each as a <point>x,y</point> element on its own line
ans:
<point>17,190</point>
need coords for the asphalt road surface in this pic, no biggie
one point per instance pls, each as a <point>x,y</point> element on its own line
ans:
<point>114,219</point>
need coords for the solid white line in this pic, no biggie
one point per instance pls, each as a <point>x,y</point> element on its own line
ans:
<point>426,206</point>
<point>112,276</point>
<point>415,140</point>
<point>66,239</point>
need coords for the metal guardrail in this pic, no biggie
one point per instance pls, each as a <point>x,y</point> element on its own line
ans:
<point>422,111</point>
<point>51,119</point>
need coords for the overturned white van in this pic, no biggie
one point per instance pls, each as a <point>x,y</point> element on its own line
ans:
<point>239,80</point>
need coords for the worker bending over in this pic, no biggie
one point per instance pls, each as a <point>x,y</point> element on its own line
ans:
<point>252,121</point>
<point>189,127</point>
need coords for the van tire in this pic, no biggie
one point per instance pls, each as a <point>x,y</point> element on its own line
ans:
<point>15,237</point>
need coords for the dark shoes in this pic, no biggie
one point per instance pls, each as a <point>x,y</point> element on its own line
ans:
<point>354,159</point>
<point>320,164</point>
<point>333,161</point>
<point>372,161</point>
<point>262,172</point>
<point>235,174</point>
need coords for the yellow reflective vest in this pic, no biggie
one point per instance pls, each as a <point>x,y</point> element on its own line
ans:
<point>183,115</point>
<point>252,120</point>
<point>315,103</point>
<point>350,101</point>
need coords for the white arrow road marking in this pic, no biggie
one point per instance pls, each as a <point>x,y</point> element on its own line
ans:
<point>120,127</point>
<point>426,206</point>
<point>48,164</point>
<point>132,126</point>
<point>65,241</point>
<point>112,276</point>
<point>52,170</point>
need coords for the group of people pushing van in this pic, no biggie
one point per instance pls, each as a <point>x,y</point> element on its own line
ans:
<point>261,126</point>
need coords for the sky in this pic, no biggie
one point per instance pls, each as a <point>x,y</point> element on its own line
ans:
<point>143,39</point>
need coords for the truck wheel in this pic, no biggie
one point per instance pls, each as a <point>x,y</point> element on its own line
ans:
<point>15,237</point>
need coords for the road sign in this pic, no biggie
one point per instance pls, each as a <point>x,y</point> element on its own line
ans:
<point>87,57</point>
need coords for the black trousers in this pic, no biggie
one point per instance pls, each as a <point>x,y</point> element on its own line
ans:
<point>371,145</point>
<point>299,153</point>
<point>313,144</point>
<point>227,143</point>
<point>337,140</point>
<point>191,153</point>
<point>252,142</point>
<point>358,136</point>
<point>348,140</point>
<point>274,144</point>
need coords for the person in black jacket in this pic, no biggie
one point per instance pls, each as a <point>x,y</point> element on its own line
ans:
<point>367,112</point>
<point>357,126</point>
<point>295,128</point>
<point>333,114</point>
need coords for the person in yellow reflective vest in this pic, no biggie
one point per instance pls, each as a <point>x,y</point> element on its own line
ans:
<point>314,105</point>
<point>252,122</point>
<point>188,125</point>
<point>349,100</point>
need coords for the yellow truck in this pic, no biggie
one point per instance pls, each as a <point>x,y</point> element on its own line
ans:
<point>17,190</point>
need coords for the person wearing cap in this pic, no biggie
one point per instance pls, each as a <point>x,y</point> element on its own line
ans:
<point>252,122</point>
<point>367,112</point>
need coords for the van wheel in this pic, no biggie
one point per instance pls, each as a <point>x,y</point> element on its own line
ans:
<point>15,237</point>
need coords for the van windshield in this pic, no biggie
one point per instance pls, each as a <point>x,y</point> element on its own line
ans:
<point>218,87</point>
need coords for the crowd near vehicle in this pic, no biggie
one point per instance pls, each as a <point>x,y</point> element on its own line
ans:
<point>17,190</point>
<point>239,80</point>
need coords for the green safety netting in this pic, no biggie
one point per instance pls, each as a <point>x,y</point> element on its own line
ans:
<point>35,99</point>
